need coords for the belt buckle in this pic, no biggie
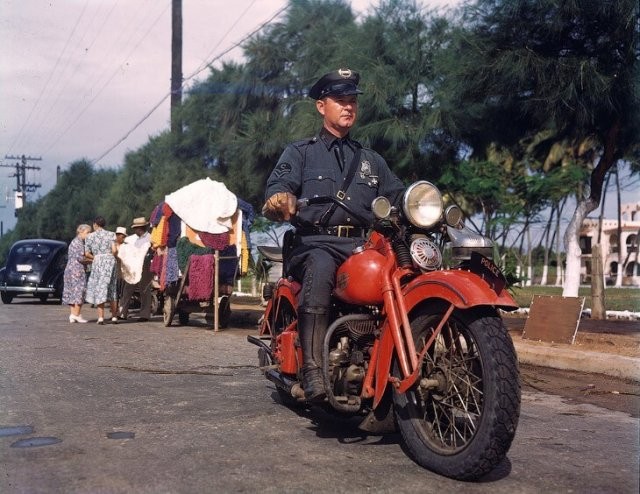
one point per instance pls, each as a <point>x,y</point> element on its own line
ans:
<point>344,228</point>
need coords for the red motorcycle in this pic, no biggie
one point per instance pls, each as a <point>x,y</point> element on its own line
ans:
<point>412,345</point>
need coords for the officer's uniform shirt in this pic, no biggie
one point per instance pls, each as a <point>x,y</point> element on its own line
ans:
<point>318,167</point>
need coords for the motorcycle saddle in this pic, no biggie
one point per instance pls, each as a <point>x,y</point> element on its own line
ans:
<point>270,252</point>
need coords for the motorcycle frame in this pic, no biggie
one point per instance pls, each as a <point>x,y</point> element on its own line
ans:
<point>460,289</point>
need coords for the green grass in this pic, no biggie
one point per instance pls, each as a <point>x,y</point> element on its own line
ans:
<point>614,298</point>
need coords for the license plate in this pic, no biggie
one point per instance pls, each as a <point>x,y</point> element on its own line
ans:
<point>486,268</point>
<point>23,268</point>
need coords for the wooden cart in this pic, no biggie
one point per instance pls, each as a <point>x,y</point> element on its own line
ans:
<point>217,309</point>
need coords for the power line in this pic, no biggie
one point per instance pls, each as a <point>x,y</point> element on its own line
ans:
<point>46,84</point>
<point>106,84</point>
<point>62,82</point>
<point>22,186</point>
<point>196,72</point>
<point>131,30</point>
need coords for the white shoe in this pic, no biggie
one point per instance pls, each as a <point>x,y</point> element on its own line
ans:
<point>114,320</point>
<point>78,318</point>
<point>100,321</point>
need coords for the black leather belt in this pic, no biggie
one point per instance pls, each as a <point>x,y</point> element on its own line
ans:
<point>336,231</point>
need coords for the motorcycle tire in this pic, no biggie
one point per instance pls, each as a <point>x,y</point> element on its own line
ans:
<point>463,426</point>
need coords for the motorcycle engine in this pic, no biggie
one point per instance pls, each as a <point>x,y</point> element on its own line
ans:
<point>348,358</point>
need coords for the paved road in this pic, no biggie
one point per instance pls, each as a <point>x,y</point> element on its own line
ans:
<point>142,408</point>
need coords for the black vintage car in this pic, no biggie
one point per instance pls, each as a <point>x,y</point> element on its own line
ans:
<point>34,266</point>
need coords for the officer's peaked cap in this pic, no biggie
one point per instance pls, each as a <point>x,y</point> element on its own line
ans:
<point>341,82</point>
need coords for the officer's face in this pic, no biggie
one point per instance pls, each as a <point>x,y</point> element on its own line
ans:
<point>339,113</point>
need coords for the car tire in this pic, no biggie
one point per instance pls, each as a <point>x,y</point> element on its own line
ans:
<point>6,297</point>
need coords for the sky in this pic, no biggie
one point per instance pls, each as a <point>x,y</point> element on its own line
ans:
<point>79,76</point>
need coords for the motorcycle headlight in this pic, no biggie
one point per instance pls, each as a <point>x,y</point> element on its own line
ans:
<point>381,207</point>
<point>422,204</point>
<point>453,215</point>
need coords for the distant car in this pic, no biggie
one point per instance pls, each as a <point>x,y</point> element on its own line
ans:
<point>34,266</point>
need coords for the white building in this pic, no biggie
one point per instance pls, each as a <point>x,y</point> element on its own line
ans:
<point>609,243</point>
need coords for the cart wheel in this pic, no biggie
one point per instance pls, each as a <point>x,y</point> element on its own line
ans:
<point>154,303</point>
<point>224,312</point>
<point>183,317</point>
<point>168,309</point>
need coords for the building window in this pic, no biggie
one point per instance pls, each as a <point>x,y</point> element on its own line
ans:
<point>613,267</point>
<point>632,269</point>
<point>631,243</point>
<point>585,245</point>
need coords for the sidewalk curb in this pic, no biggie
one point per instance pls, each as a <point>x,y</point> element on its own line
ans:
<point>576,360</point>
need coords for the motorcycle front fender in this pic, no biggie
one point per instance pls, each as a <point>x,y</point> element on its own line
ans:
<point>463,289</point>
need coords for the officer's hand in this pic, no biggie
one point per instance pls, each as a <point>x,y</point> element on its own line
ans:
<point>281,206</point>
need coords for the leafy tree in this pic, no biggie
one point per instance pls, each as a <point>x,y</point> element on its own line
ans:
<point>520,67</point>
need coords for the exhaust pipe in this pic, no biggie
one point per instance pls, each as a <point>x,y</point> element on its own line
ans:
<point>267,365</point>
<point>291,386</point>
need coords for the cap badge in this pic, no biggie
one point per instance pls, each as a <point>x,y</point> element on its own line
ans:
<point>346,73</point>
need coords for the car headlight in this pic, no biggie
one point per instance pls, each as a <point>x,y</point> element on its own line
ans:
<point>422,204</point>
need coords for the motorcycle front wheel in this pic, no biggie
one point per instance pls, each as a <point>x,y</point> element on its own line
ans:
<point>460,417</point>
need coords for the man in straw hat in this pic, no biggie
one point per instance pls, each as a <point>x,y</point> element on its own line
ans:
<point>135,254</point>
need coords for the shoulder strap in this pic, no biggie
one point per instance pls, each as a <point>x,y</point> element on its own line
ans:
<point>342,193</point>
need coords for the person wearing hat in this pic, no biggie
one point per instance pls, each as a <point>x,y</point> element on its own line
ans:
<point>121,234</point>
<point>135,256</point>
<point>329,164</point>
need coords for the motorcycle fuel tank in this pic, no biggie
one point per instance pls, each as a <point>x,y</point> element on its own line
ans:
<point>360,278</point>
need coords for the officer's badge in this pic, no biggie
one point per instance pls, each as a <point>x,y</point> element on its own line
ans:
<point>365,169</point>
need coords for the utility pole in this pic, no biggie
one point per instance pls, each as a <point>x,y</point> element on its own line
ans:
<point>176,66</point>
<point>22,186</point>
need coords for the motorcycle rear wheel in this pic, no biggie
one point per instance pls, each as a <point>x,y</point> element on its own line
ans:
<point>460,417</point>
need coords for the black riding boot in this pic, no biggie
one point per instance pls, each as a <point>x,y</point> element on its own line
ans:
<point>311,330</point>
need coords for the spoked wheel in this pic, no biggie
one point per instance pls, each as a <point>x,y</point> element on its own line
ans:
<point>168,310</point>
<point>461,416</point>
<point>154,303</point>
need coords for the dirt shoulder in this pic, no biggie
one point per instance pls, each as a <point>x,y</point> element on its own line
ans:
<point>612,393</point>
<point>617,337</point>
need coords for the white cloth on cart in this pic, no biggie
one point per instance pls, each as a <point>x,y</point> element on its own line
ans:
<point>205,205</point>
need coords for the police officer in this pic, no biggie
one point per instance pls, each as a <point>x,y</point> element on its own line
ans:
<point>329,164</point>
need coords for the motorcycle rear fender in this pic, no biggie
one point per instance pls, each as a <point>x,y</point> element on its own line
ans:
<point>284,289</point>
<point>463,289</point>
